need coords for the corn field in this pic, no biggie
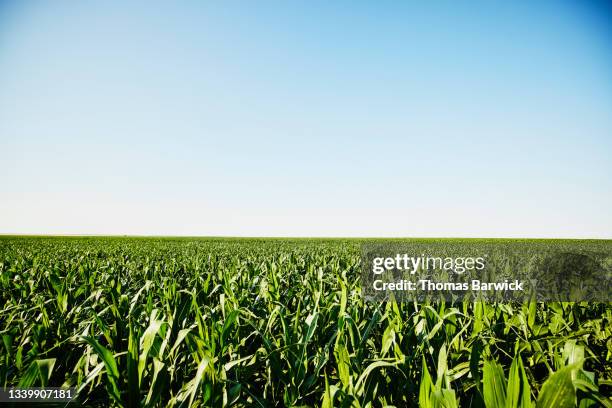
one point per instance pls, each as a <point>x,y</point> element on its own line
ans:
<point>192,322</point>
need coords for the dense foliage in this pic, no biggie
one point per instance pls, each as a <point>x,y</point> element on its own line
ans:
<point>269,322</point>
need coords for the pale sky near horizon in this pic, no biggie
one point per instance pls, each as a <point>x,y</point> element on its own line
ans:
<point>273,118</point>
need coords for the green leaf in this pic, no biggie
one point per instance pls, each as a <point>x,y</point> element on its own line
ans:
<point>45,368</point>
<point>112,372</point>
<point>29,377</point>
<point>518,392</point>
<point>442,368</point>
<point>369,369</point>
<point>426,387</point>
<point>146,341</point>
<point>558,390</point>
<point>494,384</point>
<point>159,381</point>
<point>444,399</point>
<point>343,362</point>
<point>132,368</point>
<point>195,383</point>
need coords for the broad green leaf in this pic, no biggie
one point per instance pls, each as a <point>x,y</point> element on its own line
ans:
<point>493,384</point>
<point>558,390</point>
<point>45,369</point>
<point>425,387</point>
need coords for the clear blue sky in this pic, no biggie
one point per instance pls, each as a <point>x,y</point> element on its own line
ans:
<point>306,118</point>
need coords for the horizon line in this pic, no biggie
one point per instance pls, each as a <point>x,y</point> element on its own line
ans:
<point>294,237</point>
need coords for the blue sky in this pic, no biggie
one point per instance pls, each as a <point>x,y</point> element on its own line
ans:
<point>341,118</point>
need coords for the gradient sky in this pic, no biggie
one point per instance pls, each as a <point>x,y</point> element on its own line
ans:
<point>384,118</point>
